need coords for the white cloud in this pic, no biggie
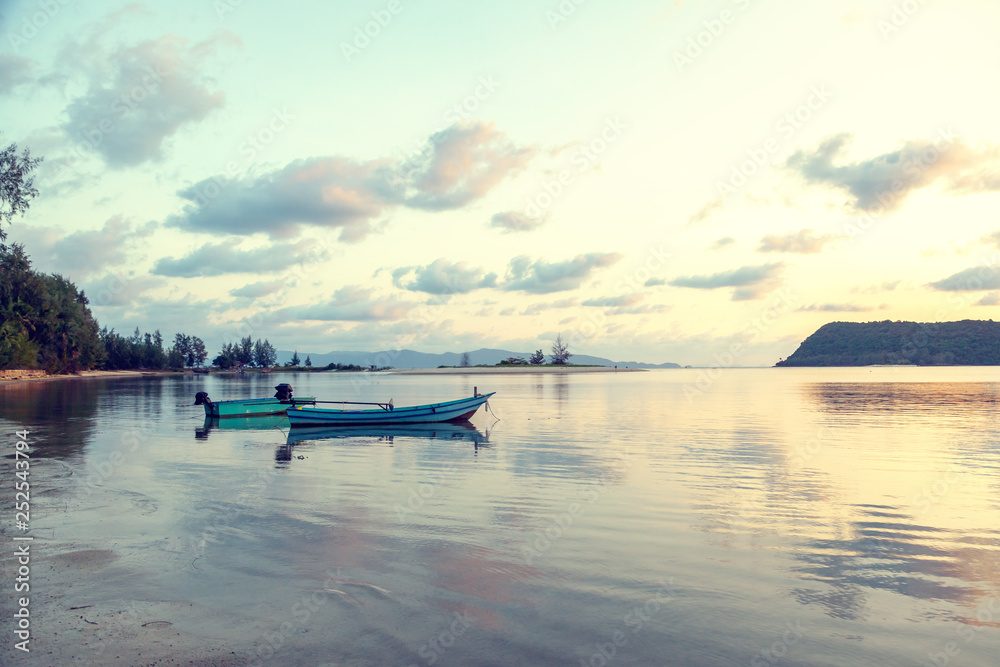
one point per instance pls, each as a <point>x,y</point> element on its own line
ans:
<point>543,277</point>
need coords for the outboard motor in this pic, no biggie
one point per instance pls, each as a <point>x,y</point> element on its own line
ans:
<point>201,398</point>
<point>284,392</point>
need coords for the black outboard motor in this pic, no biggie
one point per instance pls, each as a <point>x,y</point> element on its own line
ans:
<point>284,392</point>
<point>201,398</point>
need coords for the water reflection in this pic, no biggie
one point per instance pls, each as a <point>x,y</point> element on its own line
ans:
<point>266,422</point>
<point>384,435</point>
<point>851,397</point>
<point>444,430</point>
<point>886,549</point>
<point>58,414</point>
<point>867,489</point>
<point>883,530</point>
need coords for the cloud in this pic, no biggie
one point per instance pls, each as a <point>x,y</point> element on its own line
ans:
<point>625,305</point>
<point>351,304</point>
<point>541,277</point>
<point>887,286</point>
<point>654,282</point>
<point>139,96</point>
<point>614,301</point>
<point>804,241</point>
<point>647,309</point>
<point>14,71</point>
<point>223,258</point>
<point>466,161</point>
<point>991,299</point>
<point>512,221</point>
<point>706,211</point>
<point>752,282</point>
<point>725,241</point>
<point>884,182</point>
<point>977,278</point>
<point>257,290</point>
<point>993,238</point>
<point>333,192</point>
<point>82,254</point>
<point>323,192</point>
<point>120,289</point>
<point>442,278</point>
<point>186,314</point>
<point>835,308</point>
<point>539,308</point>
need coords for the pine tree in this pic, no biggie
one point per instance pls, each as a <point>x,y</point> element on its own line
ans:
<point>560,352</point>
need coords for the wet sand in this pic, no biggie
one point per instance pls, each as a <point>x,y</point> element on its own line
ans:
<point>77,614</point>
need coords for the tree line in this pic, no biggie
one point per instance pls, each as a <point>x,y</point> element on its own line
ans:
<point>559,357</point>
<point>247,353</point>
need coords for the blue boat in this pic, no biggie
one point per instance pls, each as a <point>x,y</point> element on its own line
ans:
<point>386,413</point>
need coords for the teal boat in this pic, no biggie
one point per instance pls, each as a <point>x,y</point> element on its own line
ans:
<point>253,407</point>
<point>386,413</point>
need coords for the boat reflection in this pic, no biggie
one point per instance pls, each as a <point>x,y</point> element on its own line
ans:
<point>375,434</point>
<point>265,422</point>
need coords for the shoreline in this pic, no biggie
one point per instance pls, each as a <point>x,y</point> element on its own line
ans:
<point>472,370</point>
<point>492,370</point>
<point>83,375</point>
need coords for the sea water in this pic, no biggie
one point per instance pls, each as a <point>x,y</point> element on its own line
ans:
<point>681,517</point>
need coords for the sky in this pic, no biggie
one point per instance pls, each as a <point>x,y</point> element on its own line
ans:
<point>705,183</point>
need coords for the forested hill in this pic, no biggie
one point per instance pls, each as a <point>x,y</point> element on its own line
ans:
<point>965,343</point>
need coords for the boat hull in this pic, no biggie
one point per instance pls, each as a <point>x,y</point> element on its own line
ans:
<point>451,411</point>
<point>253,407</point>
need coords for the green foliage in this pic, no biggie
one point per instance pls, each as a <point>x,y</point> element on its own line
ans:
<point>175,358</point>
<point>965,343</point>
<point>136,351</point>
<point>244,351</point>
<point>45,319</point>
<point>222,361</point>
<point>342,367</point>
<point>187,351</point>
<point>247,353</point>
<point>16,184</point>
<point>295,360</point>
<point>560,352</point>
<point>264,354</point>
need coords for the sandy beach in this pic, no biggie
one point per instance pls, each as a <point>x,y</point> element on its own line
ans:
<point>13,377</point>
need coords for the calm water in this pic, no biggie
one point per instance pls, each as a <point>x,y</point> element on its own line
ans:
<point>771,516</point>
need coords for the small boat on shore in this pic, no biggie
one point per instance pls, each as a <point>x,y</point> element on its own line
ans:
<point>387,413</point>
<point>252,407</point>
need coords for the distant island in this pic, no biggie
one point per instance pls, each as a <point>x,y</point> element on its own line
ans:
<point>965,343</point>
<point>481,357</point>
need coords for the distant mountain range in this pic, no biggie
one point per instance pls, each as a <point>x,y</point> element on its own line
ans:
<point>412,359</point>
